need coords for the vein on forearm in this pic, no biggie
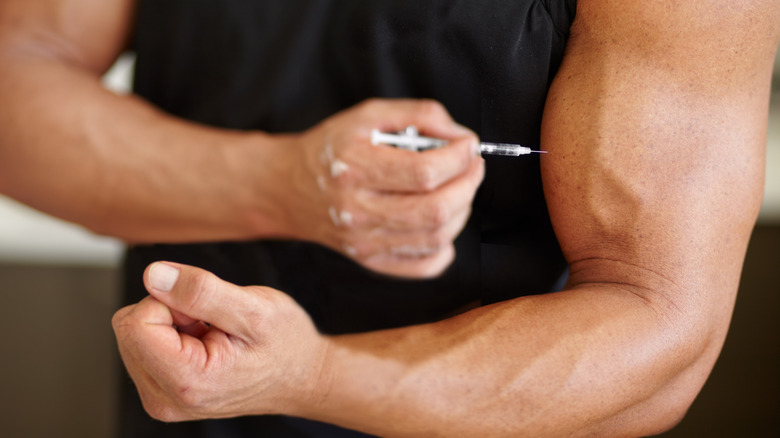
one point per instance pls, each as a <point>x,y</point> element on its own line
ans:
<point>571,358</point>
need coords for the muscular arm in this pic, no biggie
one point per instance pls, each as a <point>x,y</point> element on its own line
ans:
<point>119,166</point>
<point>112,163</point>
<point>656,128</point>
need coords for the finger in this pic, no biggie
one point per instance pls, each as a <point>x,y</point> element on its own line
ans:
<point>430,266</point>
<point>389,169</point>
<point>148,311</point>
<point>426,211</point>
<point>386,168</point>
<point>190,326</point>
<point>402,245</point>
<point>156,355</point>
<point>201,295</point>
<point>148,325</point>
<point>154,399</point>
<point>145,331</point>
<point>428,116</point>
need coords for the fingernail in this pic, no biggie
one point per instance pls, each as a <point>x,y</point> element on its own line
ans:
<point>162,277</point>
<point>476,149</point>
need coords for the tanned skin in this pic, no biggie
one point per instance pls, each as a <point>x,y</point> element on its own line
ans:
<point>655,127</point>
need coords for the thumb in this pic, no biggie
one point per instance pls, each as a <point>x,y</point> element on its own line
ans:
<point>198,295</point>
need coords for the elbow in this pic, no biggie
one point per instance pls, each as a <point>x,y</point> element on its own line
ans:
<point>665,412</point>
<point>659,413</point>
<point>691,364</point>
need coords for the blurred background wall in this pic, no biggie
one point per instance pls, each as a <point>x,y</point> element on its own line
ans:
<point>59,285</point>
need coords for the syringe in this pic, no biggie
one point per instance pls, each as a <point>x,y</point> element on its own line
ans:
<point>410,139</point>
<point>507,149</point>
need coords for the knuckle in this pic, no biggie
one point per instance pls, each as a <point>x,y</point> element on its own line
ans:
<point>257,321</point>
<point>437,215</point>
<point>125,326</point>
<point>348,219</point>
<point>339,182</point>
<point>118,319</point>
<point>424,177</point>
<point>357,218</point>
<point>429,108</point>
<point>161,411</point>
<point>261,297</point>
<point>436,265</point>
<point>338,169</point>
<point>372,104</point>
<point>439,240</point>
<point>342,215</point>
<point>354,250</point>
<point>190,399</point>
<point>203,287</point>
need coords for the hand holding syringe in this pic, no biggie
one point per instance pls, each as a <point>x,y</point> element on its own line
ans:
<point>390,211</point>
<point>410,139</point>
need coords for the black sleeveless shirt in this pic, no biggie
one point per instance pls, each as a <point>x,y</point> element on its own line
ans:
<point>283,66</point>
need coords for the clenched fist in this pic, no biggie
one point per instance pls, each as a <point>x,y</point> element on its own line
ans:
<point>200,347</point>
<point>391,210</point>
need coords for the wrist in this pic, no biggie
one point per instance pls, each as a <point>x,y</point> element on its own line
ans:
<point>315,392</point>
<point>261,165</point>
<point>351,386</point>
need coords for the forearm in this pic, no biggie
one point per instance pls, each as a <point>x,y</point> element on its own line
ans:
<point>592,361</point>
<point>120,167</point>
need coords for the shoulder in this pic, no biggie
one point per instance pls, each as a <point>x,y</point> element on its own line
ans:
<point>657,22</point>
<point>734,39</point>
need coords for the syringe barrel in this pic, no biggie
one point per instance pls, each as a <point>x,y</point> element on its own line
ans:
<point>504,149</point>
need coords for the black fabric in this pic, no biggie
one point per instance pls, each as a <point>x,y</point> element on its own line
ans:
<point>283,66</point>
